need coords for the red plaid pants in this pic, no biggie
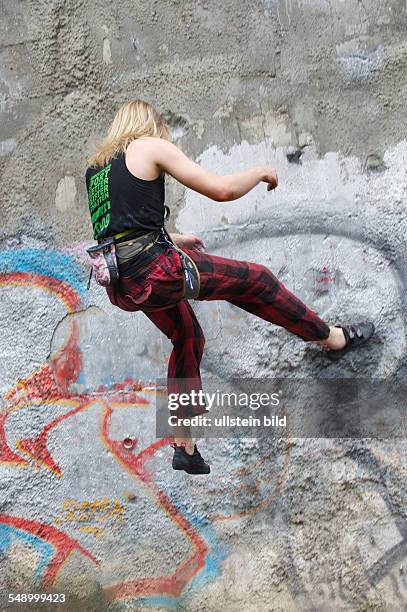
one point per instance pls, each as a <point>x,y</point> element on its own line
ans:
<point>154,285</point>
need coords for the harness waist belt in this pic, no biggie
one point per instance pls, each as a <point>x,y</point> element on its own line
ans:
<point>129,248</point>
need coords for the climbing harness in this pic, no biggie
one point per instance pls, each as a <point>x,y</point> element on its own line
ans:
<point>110,252</point>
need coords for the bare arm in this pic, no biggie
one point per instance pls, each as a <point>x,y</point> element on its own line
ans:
<point>188,241</point>
<point>172,160</point>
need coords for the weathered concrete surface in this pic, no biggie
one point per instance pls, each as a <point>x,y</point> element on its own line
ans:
<point>315,88</point>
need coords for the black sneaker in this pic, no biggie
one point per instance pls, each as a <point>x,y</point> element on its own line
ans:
<point>355,336</point>
<point>192,464</point>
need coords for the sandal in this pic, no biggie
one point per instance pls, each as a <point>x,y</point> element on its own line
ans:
<point>355,335</point>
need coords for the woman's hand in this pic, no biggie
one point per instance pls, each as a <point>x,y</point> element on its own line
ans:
<point>269,175</point>
<point>188,241</point>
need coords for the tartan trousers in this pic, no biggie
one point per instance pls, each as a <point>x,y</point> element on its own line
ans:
<point>154,285</point>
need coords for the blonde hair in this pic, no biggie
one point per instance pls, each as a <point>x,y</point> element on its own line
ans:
<point>134,119</point>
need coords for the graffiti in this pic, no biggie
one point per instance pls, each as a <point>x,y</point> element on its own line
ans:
<point>326,276</point>
<point>98,513</point>
<point>136,464</point>
<point>51,393</point>
<point>60,545</point>
<point>366,458</point>
<point>49,387</point>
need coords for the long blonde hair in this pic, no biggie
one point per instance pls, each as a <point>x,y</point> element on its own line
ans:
<point>134,119</point>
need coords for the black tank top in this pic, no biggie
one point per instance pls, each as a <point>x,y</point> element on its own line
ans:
<point>120,201</point>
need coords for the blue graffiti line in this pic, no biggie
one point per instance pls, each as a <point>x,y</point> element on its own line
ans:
<point>49,263</point>
<point>212,569</point>
<point>157,601</point>
<point>216,553</point>
<point>45,551</point>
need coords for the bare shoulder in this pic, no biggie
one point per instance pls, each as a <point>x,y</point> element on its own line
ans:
<point>142,157</point>
<point>149,144</point>
<point>148,156</point>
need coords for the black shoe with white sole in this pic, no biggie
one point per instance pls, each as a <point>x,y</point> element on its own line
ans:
<point>355,336</point>
<point>192,464</point>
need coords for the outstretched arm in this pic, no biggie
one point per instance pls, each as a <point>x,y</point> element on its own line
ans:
<point>221,188</point>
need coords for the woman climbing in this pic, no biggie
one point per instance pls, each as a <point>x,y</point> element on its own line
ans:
<point>125,183</point>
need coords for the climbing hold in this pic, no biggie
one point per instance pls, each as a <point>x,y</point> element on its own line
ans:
<point>129,442</point>
<point>293,155</point>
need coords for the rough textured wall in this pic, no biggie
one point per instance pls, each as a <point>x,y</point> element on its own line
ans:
<point>317,89</point>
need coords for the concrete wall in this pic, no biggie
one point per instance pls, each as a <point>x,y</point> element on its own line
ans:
<point>315,88</point>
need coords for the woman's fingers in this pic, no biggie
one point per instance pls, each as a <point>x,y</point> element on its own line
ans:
<point>199,243</point>
<point>189,241</point>
<point>270,177</point>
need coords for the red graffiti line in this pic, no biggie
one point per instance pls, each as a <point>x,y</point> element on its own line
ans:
<point>37,448</point>
<point>62,543</point>
<point>326,279</point>
<point>174,583</point>
<point>61,289</point>
<point>50,382</point>
<point>6,454</point>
